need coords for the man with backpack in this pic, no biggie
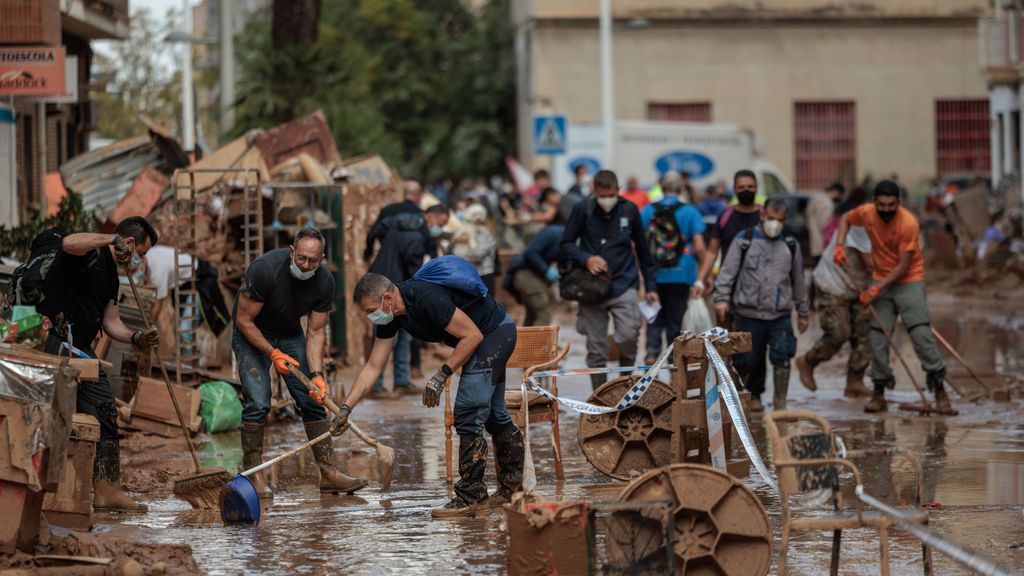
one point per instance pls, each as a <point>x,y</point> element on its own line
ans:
<point>761,281</point>
<point>604,242</point>
<point>675,236</point>
<point>447,302</point>
<point>74,280</point>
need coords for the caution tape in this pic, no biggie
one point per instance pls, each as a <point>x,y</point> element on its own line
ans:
<point>587,371</point>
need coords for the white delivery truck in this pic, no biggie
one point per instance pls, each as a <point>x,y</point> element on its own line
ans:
<point>709,152</point>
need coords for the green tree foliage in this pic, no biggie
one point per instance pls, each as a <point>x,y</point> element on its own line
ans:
<point>70,216</point>
<point>428,84</point>
<point>137,76</point>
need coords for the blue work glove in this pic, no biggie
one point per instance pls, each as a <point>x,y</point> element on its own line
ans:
<point>552,275</point>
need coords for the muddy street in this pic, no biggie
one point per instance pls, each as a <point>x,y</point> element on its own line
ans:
<point>973,471</point>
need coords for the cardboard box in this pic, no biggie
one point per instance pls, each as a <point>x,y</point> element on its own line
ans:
<point>549,534</point>
<point>71,505</point>
<point>152,402</point>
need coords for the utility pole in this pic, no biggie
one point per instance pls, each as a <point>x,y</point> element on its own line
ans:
<point>607,86</point>
<point>227,70</point>
<point>188,123</point>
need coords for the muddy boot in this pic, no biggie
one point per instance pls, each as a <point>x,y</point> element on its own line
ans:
<point>805,369</point>
<point>106,477</point>
<point>936,381</point>
<point>252,455</point>
<point>780,375</point>
<point>877,402</point>
<point>470,491</point>
<point>755,404</point>
<point>509,454</point>
<point>855,387</point>
<point>331,480</point>
<point>597,380</point>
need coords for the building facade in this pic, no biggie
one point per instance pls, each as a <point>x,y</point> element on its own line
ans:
<point>1002,62</point>
<point>36,136</point>
<point>831,89</point>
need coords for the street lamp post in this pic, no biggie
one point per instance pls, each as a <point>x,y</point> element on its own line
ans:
<point>188,125</point>
<point>607,87</point>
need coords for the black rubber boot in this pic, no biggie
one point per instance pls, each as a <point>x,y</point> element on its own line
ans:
<point>106,477</point>
<point>509,454</point>
<point>470,491</point>
<point>936,382</point>
<point>252,455</point>
<point>331,479</point>
<point>878,402</point>
<point>597,380</point>
<point>780,385</point>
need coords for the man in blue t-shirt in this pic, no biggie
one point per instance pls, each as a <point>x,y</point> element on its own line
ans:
<point>674,234</point>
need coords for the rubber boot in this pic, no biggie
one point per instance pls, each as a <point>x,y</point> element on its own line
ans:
<point>936,381</point>
<point>878,402</point>
<point>855,387</point>
<point>597,380</point>
<point>805,368</point>
<point>509,454</point>
<point>470,491</point>
<point>331,480</point>
<point>106,477</point>
<point>252,456</point>
<point>780,376</point>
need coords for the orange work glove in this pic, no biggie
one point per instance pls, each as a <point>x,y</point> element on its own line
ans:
<point>281,361</point>
<point>840,255</point>
<point>870,294</point>
<point>320,394</point>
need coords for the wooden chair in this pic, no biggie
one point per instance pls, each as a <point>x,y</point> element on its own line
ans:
<point>536,349</point>
<point>806,463</point>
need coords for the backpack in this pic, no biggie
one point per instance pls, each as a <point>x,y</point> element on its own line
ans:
<point>666,240</point>
<point>28,282</point>
<point>452,272</point>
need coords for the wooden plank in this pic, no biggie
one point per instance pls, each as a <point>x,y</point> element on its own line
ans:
<point>152,427</point>
<point>694,347</point>
<point>152,401</point>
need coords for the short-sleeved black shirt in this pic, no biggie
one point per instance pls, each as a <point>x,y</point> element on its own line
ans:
<point>80,287</point>
<point>736,223</point>
<point>285,299</point>
<point>429,308</point>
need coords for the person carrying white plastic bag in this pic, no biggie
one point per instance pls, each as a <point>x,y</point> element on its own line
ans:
<point>697,318</point>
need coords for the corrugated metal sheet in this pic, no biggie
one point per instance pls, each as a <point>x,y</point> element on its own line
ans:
<point>103,176</point>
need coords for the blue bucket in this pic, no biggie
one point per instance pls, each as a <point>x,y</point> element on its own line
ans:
<point>239,502</point>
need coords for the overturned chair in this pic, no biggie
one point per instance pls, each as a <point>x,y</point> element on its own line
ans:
<point>808,462</point>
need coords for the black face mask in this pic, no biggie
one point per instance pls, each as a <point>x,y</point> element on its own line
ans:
<point>746,197</point>
<point>887,216</point>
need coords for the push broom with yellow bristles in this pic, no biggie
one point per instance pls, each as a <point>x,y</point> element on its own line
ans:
<point>202,489</point>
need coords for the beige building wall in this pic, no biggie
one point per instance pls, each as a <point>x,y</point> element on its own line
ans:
<point>753,72</point>
<point>760,9</point>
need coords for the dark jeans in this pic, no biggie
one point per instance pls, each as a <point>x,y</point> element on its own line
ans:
<point>771,338</point>
<point>254,372</point>
<point>480,400</point>
<point>669,322</point>
<point>93,398</point>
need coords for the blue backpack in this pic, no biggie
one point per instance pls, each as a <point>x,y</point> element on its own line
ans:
<point>452,272</point>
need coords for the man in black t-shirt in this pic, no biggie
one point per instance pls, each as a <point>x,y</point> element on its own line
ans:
<point>81,289</point>
<point>279,289</point>
<point>483,337</point>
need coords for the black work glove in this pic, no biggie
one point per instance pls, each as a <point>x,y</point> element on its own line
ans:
<point>435,386</point>
<point>122,252</point>
<point>339,423</point>
<point>146,339</point>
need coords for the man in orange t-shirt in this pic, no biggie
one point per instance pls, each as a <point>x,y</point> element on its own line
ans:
<point>897,289</point>
<point>635,194</point>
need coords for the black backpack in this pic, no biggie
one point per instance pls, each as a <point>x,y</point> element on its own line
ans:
<point>28,282</point>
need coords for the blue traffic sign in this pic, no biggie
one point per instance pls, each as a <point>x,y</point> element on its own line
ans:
<point>549,134</point>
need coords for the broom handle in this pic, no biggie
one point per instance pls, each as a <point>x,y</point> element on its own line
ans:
<point>959,358</point>
<point>331,405</point>
<point>888,338</point>
<point>287,454</point>
<point>163,371</point>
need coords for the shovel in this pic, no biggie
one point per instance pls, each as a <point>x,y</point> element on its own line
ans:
<point>239,501</point>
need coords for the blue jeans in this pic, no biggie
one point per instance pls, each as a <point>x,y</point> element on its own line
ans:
<point>254,372</point>
<point>400,359</point>
<point>771,338</point>
<point>480,401</point>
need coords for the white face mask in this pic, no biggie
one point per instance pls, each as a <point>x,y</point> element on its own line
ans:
<point>299,274</point>
<point>607,204</point>
<point>772,228</point>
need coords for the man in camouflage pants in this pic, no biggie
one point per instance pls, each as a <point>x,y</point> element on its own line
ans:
<point>843,318</point>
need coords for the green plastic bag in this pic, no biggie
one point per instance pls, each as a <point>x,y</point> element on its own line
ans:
<point>220,408</point>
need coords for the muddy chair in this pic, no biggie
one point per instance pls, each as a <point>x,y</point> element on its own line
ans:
<point>536,350</point>
<point>808,467</point>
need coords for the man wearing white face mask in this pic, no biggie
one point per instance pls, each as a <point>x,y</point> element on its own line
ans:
<point>279,289</point>
<point>761,281</point>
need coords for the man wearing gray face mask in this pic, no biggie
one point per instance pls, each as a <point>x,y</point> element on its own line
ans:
<point>279,289</point>
<point>762,282</point>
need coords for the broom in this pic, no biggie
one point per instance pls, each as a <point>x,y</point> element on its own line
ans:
<point>385,453</point>
<point>202,489</point>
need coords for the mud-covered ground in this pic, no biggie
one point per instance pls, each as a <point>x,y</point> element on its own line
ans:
<point>973,466</point>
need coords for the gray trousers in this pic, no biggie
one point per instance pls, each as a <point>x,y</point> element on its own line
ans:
<point>909,303</point>
<point>592,322</point>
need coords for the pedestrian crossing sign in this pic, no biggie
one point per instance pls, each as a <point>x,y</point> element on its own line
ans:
<point>549,134</point>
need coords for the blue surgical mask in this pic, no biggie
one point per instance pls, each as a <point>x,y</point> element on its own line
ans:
<point>379,317</point>
<point>298,274</point>
<point>136,261</point>
<point>436,231</point>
